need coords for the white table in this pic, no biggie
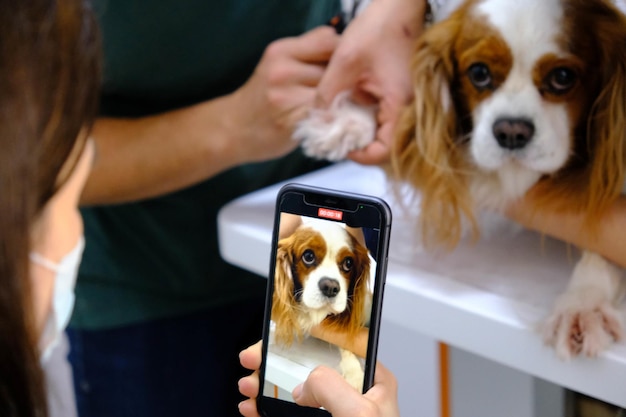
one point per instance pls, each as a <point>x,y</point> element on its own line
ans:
<point>486,297</point>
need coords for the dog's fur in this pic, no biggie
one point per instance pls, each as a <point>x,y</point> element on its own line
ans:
<point>322,276</point>
<point>512,96</point>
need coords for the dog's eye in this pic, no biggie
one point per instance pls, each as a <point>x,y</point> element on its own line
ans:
<point>308,257</point>
<point>560,80</point>
<point>480,76</point>
<point>347,264</point>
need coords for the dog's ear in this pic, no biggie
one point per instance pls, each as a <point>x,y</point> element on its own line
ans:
<point>357,313</point>
<point>283,301</point>
<point>361,305</point>
<point>595,177</point>
<point>607,123</point>
<point>426,152</point>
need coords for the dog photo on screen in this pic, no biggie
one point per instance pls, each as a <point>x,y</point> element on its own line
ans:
<point>322,282</point>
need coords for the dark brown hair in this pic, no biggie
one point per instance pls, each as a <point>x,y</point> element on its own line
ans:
<point>49,78</point>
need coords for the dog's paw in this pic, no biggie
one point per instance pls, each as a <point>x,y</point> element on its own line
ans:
<point>332,133</point>
<point>351,369</point>
<point>583,322</point>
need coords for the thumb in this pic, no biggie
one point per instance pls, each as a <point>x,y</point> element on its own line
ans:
<point>326,388</point>
<point>342,74</point>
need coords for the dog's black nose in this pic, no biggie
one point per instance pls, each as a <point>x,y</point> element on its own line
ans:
<point>329,287</point>
<point>513,133</point>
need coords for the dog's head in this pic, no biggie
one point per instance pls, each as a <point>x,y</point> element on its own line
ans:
<point>512,94</point>
<point>322,273</point>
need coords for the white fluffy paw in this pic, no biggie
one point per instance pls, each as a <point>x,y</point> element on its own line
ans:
<point>351,369</point>
<point>583,322</point>
<point>332,133</point>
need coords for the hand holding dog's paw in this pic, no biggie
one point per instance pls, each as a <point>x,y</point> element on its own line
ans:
<point>585,322</point>
<point>334,132</point>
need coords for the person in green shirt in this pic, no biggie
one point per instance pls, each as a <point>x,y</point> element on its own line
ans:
<point>198,102</point>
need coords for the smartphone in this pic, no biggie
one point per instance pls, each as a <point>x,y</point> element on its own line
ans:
<point>324,294</point>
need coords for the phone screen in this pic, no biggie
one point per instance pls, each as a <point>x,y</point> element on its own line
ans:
<point>325,292</point>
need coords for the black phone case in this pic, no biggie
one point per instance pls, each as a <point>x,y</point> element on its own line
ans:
<point>357,210</point>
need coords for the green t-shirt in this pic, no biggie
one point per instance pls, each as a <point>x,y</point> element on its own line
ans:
<point>160,257</point>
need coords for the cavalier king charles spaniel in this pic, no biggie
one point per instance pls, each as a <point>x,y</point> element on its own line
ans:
<point>322,277</point>
<point>513,97</point>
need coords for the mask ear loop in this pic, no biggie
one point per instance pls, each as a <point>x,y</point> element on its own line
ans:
<point>44,262</point>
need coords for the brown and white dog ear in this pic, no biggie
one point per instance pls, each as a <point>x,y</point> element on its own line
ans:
<point>361,302</point>
<point>283,302</point>
<point>607,128</point>
<point>596,178</point>
<point>352,320</point>
<point>425,152</point>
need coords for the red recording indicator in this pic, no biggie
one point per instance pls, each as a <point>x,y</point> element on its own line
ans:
<point>329,214</point>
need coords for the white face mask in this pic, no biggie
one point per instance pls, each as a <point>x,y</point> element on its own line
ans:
<point>62,304</point>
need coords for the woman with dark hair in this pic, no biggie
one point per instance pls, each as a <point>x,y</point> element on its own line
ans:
<point>49,77</point>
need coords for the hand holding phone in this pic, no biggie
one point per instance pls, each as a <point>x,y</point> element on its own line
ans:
<point>325,388</point>
<point>329,255</point>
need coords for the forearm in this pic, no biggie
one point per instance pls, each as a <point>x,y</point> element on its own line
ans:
<point>357,345</point>
<point>608,238</point>
<point>146,157</point>
<point>150,156</point>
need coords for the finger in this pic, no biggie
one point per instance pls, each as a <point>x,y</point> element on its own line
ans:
<point>249,385</point>
<point>383,377</point>
<point>247,408</point>
<point>297,72</point>
<point>250,358</point>
<point>376,153</point>
<point>341,75</point>
<point>384,392</point>
<point>326,388</point>
<point>295,103</point>
<point>309,75</point>
<point>379,151</point>
<point>315,46</point>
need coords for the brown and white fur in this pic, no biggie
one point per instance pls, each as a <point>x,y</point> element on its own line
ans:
<point>322,276</point>
<point>512,96</point>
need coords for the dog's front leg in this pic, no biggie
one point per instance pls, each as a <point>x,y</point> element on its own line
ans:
<point>586,319</point>
<point>351,369</point>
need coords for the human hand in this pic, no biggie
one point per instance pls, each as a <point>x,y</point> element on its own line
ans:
<point>250,358</point>
<point>279,93</point>
<point>326,388</point>
<point>372,61</point>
